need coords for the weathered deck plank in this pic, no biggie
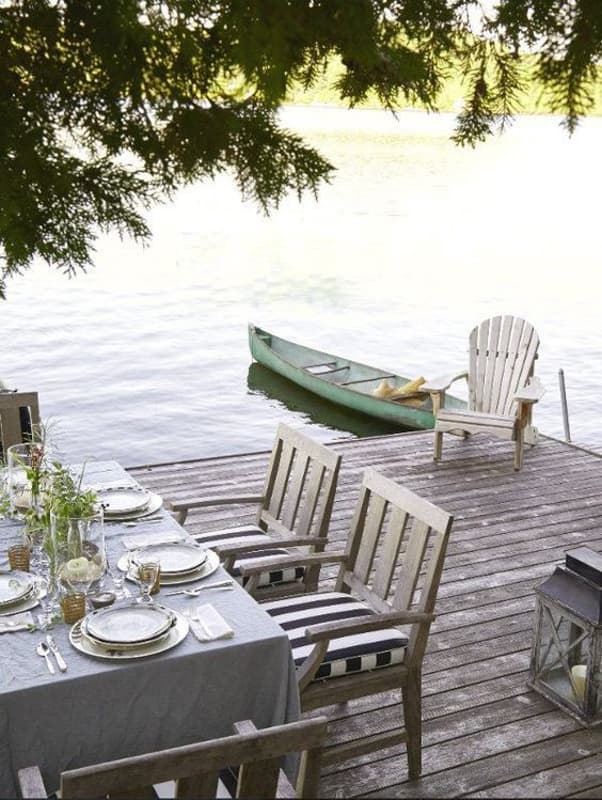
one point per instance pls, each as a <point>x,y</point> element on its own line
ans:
<point>485,734</point>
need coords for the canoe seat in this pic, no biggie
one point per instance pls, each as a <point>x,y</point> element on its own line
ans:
<point>251,534</point>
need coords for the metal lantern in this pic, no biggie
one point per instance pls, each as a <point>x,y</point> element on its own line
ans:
<point>567,645</point>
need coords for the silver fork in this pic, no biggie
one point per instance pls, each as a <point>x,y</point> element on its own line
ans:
<point>199,589</point>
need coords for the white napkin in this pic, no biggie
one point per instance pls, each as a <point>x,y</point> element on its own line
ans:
<point>16,622</point>
<point>207,624</point>
<point>148,539</point>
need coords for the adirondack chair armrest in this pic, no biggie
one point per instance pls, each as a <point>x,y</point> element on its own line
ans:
<point>530,393</point>
<point>370,622</point>
<point>442,383</point>
<point>182,507</point>
<point>256,566</point>
<point>228,550</point>
<point>31,783</point>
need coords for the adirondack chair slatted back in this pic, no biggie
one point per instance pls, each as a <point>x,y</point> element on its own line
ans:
<point>300,486</point>
<point>396,553</point>
<point>19,411</point>
<point>502,354</point>
<point>196,768</point>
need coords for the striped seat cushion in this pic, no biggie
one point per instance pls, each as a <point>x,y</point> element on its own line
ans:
<point>360,653</point>
<point>251,534</point>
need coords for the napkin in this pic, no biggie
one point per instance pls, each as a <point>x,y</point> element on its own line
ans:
<point>16,622</point>
<point>207,624</point>
<point>148,539</point>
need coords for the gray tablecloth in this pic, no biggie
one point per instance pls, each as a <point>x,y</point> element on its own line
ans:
<point>100,710</point>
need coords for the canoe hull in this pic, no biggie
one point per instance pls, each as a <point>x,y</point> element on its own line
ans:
<point>263,349</point>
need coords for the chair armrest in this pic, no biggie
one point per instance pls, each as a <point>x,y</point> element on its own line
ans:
<point>203,502</point>
<point>227,550</point>
<point>31,783</point>
<point>256,566</point>
<point>443,382</point>
<point>530,393</point>
<point>182,507</point>
<point>371,622</point>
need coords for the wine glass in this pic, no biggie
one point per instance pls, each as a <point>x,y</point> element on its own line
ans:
<point>145,570</point>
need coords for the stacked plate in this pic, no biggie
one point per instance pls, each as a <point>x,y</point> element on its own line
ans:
<point>17,592</point>
<point>180,562</point>
<point>128,502</point>
<point>132,630</point>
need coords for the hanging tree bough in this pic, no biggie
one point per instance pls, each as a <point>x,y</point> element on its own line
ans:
<point>108,106</point>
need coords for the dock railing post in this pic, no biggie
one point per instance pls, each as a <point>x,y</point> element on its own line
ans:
<point>565,409</point>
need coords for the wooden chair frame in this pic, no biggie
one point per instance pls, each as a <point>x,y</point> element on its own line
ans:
<point>421,530</point>
<point>11,403</point>
<point>502,389</point>
<point>196,767</point>
<point>295,504</point>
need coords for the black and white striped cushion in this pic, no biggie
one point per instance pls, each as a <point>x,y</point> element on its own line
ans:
<point>251,534</point>
<point>360,653</point>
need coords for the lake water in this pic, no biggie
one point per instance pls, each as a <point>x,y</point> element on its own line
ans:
<point>145,358</point>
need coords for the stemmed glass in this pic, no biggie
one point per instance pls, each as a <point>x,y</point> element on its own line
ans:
<point>145,571</point>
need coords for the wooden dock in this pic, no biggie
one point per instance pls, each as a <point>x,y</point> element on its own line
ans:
<point>485,733</point>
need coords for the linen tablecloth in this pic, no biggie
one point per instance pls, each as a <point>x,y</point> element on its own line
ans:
<point>99,710</point>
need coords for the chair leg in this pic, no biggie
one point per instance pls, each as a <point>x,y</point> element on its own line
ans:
<point>438,446</point>
<point>518,452</point>
<point>412,713</point>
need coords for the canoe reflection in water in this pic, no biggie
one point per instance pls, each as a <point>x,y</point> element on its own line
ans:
<point>268,383</point>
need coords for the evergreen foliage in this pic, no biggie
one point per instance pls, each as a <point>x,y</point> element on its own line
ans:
<point>109,105</point>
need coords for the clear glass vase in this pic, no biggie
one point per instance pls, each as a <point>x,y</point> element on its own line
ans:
<point>77,550</point>
<point>27,472</point>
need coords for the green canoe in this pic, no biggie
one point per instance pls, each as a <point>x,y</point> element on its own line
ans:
<point>344,382</point>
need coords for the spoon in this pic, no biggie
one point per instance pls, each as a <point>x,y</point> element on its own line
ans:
<point>43,650</point>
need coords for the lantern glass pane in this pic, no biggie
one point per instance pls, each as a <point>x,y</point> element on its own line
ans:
<point>563,656</point>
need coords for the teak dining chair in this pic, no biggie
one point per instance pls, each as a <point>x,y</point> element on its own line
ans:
<point>199,769</point>
<point>292,511</point>
<point>19,416</point>
<point>347,643</point>
<point>501,388</point>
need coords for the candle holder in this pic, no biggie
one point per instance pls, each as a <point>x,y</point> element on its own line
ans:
<point>73,607</point>
<point>18,557</point>
<point>566,658</point>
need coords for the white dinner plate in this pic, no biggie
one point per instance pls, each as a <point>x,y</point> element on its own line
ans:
<point>209,566</point>
<point>123,500</point>
<point>155,501</point>
<point>175,558</point>
<point>176,634</point>
<point>23,605</point>
<point>128,624</point>
<point>14,586</point>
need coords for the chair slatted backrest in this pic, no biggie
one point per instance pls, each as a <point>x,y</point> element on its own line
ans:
<point>300,486</point>
<point>396,552</point>
<point>196,768</point>
<point>19,413</point>
<point>502,356</point>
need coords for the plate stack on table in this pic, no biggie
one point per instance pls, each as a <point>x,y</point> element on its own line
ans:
<point>131,630</point>
<point>122,503</point>
<point>17,592</point>
<point>181,562</point>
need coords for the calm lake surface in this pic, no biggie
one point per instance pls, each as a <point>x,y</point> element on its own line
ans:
<point>145,358</point>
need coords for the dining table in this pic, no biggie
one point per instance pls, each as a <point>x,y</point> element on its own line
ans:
<point>101,709</point>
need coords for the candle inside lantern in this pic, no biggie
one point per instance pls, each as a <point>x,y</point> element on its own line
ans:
<point>579,675</point>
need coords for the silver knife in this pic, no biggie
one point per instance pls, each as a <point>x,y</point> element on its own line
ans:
<point>59,658</point>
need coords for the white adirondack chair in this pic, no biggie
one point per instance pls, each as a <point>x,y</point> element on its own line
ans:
<point>501,387</point>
